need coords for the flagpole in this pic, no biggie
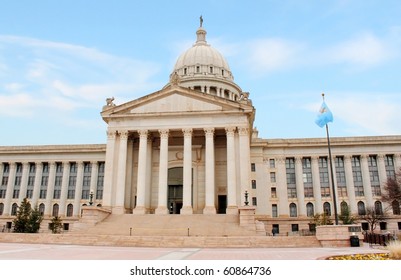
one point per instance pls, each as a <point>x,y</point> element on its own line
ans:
<point>332,173</point>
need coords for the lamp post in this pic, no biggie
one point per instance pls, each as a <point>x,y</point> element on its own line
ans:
<point>91,198</point>
<point>246,198</point>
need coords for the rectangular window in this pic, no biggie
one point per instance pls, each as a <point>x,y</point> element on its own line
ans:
<point>357,175</point>
<point>274,211</point>
<point>272,177</point>
<point>290,176</point>
<point>253,167</point>
<point>253,184</point>
<point>254,201</point>
<point>43,194</point>
<point>324,177</point>
<point>273,192</point>
<point>3,193</point>
<point>29,193</point>
<point>389,164</point>
<point>56,194</point>
<point>307,177</point>
<point>272,163</point>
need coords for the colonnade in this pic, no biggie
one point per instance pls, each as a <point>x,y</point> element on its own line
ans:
<point>116,163</point>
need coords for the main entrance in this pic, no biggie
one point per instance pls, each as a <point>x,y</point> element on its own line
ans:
<point>175,190</point>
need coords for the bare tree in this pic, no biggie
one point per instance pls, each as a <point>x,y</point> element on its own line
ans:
<point>373,216</point>
<point>392,192</point>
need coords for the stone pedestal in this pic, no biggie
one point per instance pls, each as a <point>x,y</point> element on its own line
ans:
<point>337,235</point>
<point>247,217</point>
<point>91,215</point>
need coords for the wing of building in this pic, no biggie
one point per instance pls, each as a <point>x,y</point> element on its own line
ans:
<point>191,149</point>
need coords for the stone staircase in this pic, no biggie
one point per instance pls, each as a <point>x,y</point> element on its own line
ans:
<point>169,225</point>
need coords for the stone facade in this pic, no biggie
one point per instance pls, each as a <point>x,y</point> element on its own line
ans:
<point>191,149</point>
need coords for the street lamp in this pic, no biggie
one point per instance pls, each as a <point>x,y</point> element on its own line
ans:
<point>91,198</point>
<point>246,198</point>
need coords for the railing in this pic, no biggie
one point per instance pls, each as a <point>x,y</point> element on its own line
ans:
<point>377,238</point>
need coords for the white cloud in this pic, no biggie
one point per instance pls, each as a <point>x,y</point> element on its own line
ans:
<point>363,50</point>
<point>272,54</point>
<point>38,74</point>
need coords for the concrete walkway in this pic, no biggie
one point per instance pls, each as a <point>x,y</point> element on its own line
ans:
<point>20,251</point>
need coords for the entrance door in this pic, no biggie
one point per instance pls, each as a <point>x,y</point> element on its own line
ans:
<point>174,199</point>
<point>222,207</point>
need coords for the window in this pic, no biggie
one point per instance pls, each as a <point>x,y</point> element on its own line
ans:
<point>1,208</point>
<point>272,177</point>
<point>42,209</point>
<point>378,208</point>
<point>361,208</point>
<point>294,227</point>
<point>307,177</point>
<point>290,176</point>
<point>55,210</point>
<point>42,194</point>
<point>253,184</point>
<point>254,201</point>
<point>293,210</point>
<point>45,167</point>
<point>344,207</point>
<point>389,164</point>
<point>14,209</point>
<point>56,194</point>
<point>211,70</point>
<point>185,71</point>
<point>253,167</point>
<point>327,208</point>
<point>324,177</point>
<point>59,167</point>
<point>272,163</point>
<point>274,211</point>
<point>357,175</point>
<point>273,192</point>
<point>396,207</point>
<point>340,176</point>
<point>32,167</point>
<point>70,210</point>
<point>310,212</point>
<point>197,69</point>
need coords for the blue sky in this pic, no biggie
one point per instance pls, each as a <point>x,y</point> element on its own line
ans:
<point>60,60</point>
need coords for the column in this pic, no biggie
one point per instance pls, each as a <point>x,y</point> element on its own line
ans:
<point>367,188</point>
<point>50,188</point>
<point>141,180</point>
<point>397,162</point>
<point>118,207</point>
<point>232,207</point>
<point>210,191</point>
<point>350,184</point>
<point>187,176</point>
<point>78,189</point>
<point>108,188</point>
<point>317,193</point>
<point>300,187</point>
<point>24,181</point>
<point>163,173</point>
<point>93,184</point>
<point>282,195</point>
<point>245,162</point>
<point>382,171</point>
<point>10,188</point>
<point>38,181</point>
<point>64,189</point>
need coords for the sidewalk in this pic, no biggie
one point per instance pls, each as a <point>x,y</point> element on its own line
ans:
<point>19,251</point>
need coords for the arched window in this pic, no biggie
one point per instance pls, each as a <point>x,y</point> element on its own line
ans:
<point>310,212</point>
<point>55,210</point>
<point>378,208</point>
<point>361,208</point>
<point>1,208</point>
<point>396,207</point>
<point>70,210</point>
<point>344,207</point>
<point>14,209</point>
<point>41,209</point>
<point>327,208</point>
<point>293,210</point>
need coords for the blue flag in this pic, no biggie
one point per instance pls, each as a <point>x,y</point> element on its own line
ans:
<point>324,116</point>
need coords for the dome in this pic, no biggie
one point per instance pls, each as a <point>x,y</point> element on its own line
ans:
<point>205,69</point>
<point>207,58</point>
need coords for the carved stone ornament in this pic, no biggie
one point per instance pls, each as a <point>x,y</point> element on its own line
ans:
<point>175,79</point>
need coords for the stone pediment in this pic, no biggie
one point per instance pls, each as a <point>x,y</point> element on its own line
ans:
<point>175,100</point>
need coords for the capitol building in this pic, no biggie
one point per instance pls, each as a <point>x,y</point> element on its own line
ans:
<point>191,149</point>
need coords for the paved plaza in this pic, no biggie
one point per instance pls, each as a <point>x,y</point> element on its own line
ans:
<point>19,251</point>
